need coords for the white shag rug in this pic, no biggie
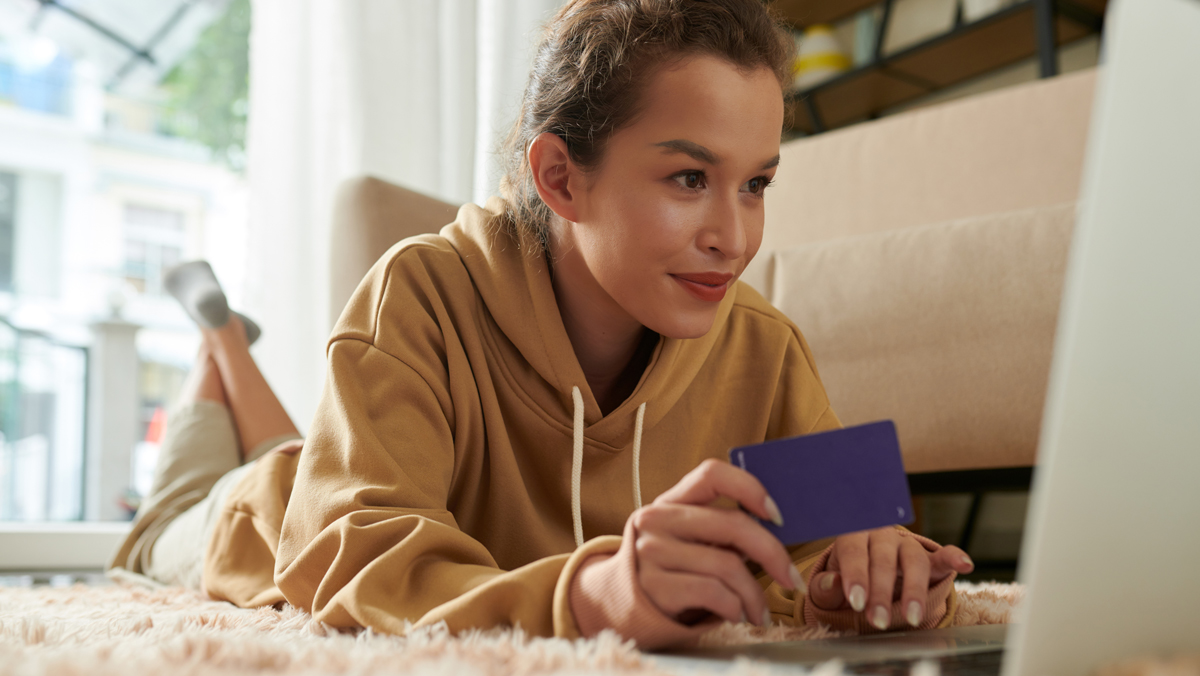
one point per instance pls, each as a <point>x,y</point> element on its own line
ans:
<point>125,629</point>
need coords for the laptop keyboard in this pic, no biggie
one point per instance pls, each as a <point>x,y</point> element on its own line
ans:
<point>963,664</point>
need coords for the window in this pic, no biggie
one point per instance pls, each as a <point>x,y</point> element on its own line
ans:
<point>121,128</point>
<point>154,242</point>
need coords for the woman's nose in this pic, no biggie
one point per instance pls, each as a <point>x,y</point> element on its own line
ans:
<point>725,230</point>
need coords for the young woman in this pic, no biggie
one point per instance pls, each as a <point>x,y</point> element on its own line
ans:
<point>525,416</point>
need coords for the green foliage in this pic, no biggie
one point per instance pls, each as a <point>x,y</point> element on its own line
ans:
<point>208,90</point>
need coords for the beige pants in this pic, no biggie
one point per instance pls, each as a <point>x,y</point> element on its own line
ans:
<point>199,463</point>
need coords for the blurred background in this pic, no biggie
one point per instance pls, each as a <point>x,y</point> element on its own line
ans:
<point>122,152</point>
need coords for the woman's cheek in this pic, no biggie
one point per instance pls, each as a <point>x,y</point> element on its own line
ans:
<point>666,227</point>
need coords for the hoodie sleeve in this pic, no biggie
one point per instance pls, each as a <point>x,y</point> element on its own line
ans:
<point>368,539</point>
<point>798,394</point>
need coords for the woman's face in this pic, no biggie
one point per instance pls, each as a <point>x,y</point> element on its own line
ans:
<point>674,213</point>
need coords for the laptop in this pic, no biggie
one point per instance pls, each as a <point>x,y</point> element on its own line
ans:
<point>1111,556</point>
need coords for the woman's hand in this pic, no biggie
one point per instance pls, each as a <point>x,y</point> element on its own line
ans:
<point>691,556</point>
<point>870,569</point>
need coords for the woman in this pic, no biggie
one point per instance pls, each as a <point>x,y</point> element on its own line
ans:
<point>501,397</point>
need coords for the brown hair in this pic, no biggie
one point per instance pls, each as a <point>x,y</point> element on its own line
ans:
<point>592,61</point>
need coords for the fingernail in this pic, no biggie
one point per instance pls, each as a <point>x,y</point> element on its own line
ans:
<point>773,511</point>
<point>967,560</point>
<point>858,598</point>
<point>914,613</point>
<point>827,582</point>
<point>766,617</point>
<point>880,618</point>
<point>798,580</point>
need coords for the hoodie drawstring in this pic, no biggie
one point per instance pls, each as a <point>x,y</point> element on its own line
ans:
<point>577,463</point>
<point>577,468</point>
<point>637,457</point>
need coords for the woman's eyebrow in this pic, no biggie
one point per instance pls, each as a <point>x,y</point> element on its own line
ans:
<point>691,149</point>
<point>702,154</point>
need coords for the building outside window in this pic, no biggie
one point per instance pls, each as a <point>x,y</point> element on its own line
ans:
<point>154,242</point>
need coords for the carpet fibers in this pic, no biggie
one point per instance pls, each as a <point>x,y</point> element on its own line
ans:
<point>124,629</point>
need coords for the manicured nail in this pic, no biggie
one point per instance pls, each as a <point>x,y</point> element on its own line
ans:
<point>766,617</point>
<point>827,582</point>
<point>798,580</point>
<point>773,511</point>
<point>879,618</point>
<point>858,598</point>
<point>914,613</point>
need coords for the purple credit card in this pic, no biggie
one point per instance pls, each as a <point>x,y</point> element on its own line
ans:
<point>832,483</point>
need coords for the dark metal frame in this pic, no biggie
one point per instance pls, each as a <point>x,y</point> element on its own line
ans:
<point>144,53</point>
<point>977,483</point>
<point>1044,14</point>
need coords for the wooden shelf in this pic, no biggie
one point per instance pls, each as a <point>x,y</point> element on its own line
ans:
<point>967,51</point>
<point>801,13</point>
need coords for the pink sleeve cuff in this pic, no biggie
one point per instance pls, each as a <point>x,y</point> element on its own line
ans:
<point>606,594</point>
<point>937,604</point>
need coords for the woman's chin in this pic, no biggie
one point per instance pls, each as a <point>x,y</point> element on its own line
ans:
<point>684,325</point>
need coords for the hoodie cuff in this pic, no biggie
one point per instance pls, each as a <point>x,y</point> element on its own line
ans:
<point>564,620</point>
<point>939,604</point>
<point>605,594</point>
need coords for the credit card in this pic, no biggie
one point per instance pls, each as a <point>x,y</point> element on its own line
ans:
<point>832,483</point>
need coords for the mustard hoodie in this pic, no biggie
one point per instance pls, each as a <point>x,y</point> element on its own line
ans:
<point>436,480</point>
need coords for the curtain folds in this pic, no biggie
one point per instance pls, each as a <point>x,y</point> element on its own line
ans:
<point>416,92</point>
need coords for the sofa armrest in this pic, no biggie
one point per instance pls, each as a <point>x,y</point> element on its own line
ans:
<point>370,215</point>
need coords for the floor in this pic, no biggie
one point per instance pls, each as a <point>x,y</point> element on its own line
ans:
<point>52,578</point>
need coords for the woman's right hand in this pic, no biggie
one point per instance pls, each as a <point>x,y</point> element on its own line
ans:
<point>691,556</point>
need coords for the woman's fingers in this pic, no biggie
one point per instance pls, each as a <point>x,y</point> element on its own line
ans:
<point>690,555</point>
<point>825,590</point>
<point>914,564</point>
<point>851,558</point>
<point>870,565</point>
<point>949,559</point>
<point>713,479</point>
<point>723,565</point>
<point>884,547</point>
<point>721,527</point>
<point>675,593</point>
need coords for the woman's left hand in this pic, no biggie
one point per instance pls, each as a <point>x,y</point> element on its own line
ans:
<point>868,570</point>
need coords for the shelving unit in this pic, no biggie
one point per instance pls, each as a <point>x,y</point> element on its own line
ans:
<point>968,50</point>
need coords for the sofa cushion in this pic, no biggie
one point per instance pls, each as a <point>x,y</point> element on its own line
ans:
<point>947,329</point>
<point>1020,147</point>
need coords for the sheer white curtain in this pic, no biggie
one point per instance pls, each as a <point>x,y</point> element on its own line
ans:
<point>417,92</point>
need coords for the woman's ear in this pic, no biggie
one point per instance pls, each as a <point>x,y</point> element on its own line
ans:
<point>552,169</point>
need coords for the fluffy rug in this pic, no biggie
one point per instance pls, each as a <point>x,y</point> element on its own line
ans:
<point>123,629</point>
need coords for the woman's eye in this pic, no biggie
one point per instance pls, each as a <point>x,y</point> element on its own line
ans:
<point>691,180</point>
<point>757,185</point>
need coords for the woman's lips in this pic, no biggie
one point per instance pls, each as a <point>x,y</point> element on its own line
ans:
<point>706,286</point>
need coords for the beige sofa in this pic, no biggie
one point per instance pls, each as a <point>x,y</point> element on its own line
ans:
<point>921,254</point>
